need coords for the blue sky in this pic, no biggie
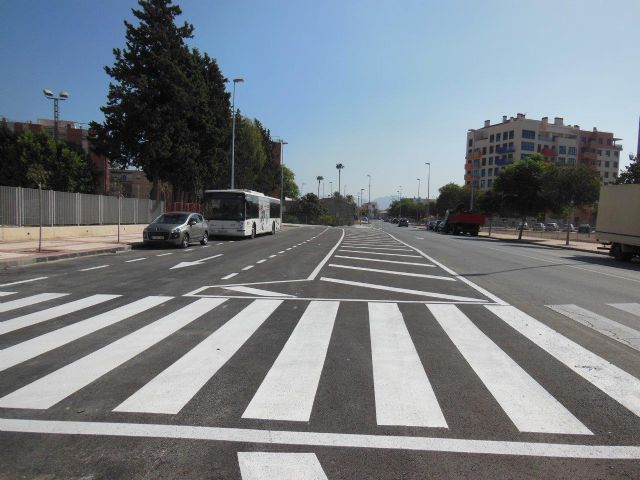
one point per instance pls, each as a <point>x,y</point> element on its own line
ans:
<point>380,86</point>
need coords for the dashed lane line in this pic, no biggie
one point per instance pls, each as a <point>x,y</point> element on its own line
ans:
<point>136,260</point>
<point>248,267</point>
<point>93,268</point>
<point>262,261</point>
<point>164,254</point>
<point>23,281</point>
<point>231,275</point>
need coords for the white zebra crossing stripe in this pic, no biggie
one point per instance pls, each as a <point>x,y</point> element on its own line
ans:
<point>385,261</point>
<point>172,389</point>
<point>4,294</point>
<point>394,272</point>
<point>529,406</point>
<point>53,312</point>
<point>633,308</point>
<point>280,466</point>
<point>51,389</point>
<point>29,349</point>
<point>403,394</point>
<point>613,381</point>
<point>289,388</point>
<point>32,300</point>
<point>379,253</point>
<point>256,291</point>
<point>603,325</point>
<point>379,248</point>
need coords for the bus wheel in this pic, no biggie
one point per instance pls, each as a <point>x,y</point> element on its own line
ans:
<point>253,231</point>
<point>273,228</point>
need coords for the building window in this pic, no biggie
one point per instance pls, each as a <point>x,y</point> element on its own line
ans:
<point>615,153</point>
<point>607,153</point>
<point>476,163</point>
<point>484,150</point>
<point>523,156</point>
<point>562,149</point>
<point>608,141</point>
<point>606,174</point>
<point>615,164</point>
<point>527,146</point>
<point>470,142</point>
<point>510,144</point>
<point>606,164</point>
<point>491,148</point>
<point>483,184</point>
<point>600,152</point>
<point>599,163</point>
<point>562,160</point>
<point>491,137</point>
<point>529,134</point>
<point>511,134</point>
<point>600,141</point>
<point>476,173</point>
<point>484,162</point>
<point>483,173</point>
<point>572,161</point>
<point>572,150</point>
<point>475,183</point>
<point>489,183</point>
<point>490,160</point>
<point>497,137</point>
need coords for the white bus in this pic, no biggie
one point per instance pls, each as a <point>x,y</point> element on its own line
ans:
<point>241,213</point>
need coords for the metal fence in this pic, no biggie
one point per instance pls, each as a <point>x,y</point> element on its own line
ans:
<point>20,207</point>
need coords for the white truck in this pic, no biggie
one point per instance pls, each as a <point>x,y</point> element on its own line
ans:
<point>618,223</point>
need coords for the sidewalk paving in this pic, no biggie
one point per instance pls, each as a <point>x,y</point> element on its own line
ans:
<point>14,254</point>
<point>591,247</point>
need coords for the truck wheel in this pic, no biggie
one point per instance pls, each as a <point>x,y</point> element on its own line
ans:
<point>618,254</point>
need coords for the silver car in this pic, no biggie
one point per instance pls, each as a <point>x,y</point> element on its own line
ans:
<point>177,228</point>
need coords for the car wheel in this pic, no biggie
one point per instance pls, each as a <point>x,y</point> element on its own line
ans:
<point>205,239</point>
<point>253,232</point>
<point>185,240</point>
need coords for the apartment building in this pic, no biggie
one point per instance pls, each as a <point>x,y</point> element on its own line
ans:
<point>491,148</point>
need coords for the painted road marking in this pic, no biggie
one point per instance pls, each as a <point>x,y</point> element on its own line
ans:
<point>280,466</point>
<point>255,291</point>
<point>4,294</point>
<point>164,254</point>
<point>23,281</point>
<point>172,389</point>
<point>53,312</point>
<point>231,275</point>
<point>391,249</point>
<point>55,387</point>
<point>633,308</point>
<point>281,251</point>
<point>289,388</point>
<point>394,272</point>
<point>93,268</point>
<point>529,406</point>
<point>386,261</point>
<point>379,253</point>
<point>29,349</point>
<point>136,260</point>
<point>195,262</point>
<point>322,439</point>
<point>615,382</point>
<point>272,256</point>
<point>262,261</point>
<point>402,290</point>
<point>32,300</point>
<point>316,271</point>
<point>249,267</point>
<point>403,394</point>
<point>603,325</point>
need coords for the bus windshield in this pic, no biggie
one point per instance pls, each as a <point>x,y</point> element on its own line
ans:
<point>224,206</point>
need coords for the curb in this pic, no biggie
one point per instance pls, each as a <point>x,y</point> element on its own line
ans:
<point>62,256</point>
<point>559,247</point>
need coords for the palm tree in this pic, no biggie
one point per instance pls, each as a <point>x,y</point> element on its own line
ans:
<point>339,166</point>
<point>319,178</point>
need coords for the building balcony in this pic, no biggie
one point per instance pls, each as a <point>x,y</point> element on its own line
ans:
<point>503,150</point>
<point>549,152</point>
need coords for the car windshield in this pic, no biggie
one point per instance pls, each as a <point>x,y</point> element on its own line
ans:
<point>172,218</point>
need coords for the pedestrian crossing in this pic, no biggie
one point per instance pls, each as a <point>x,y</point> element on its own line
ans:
<point>402,390</point>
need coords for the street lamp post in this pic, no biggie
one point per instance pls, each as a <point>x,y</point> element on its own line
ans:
<point>400,203</point>
<point>281,142</point>
<point>56,108</point>
<point>418,204</point>
<point>428,164</point>
<point>233,133</point>
<point>369,202</point>
<point>331,188</point>
<point>361,202</point>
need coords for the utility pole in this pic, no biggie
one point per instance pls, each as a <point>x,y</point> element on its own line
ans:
<point>428,182</point>
<point>56,108</point>
<point>233,133</point>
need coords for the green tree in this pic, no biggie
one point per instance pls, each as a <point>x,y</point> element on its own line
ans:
<point>309,208</point>
<point>632,171</point>
<point>151,100</point>
<point>451,195</point>
<point>521,187</point>
<point>291,189</point>
<point>570,187</point>
<point>251,156</point>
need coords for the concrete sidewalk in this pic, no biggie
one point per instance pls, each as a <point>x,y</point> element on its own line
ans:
<point>591,247</point>
<point>14,254</point>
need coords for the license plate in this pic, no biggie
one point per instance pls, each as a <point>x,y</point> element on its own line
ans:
<point>157,237</point>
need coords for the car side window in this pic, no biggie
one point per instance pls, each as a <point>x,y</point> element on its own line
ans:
<point>200,219</point>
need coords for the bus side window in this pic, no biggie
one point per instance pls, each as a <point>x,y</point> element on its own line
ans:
<point>253,207</point>
<point>274,209</point>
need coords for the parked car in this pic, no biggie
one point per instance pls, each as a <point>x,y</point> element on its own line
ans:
<point>552,227</point>
<point>365,220</point>
<point>403,222</point>
<point>584,228</point>
<point>439,224</point>
<point>524,226</point>
<point>432,224</point>
<point>394,220</point>
<point>177,228</point>
<point>539,227</point>
<point>569,227</point>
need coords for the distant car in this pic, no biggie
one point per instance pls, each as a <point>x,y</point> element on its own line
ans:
<point>432,224</point>
<point>584,228</point>
<point>539,227</point>
<point>365,220</point>
<point>177,228</point>
<point>403,222</point>
<point>524,226</point>
<point>439,225</point>
<point>569,227</point>
<point>394,220</point>
<point>552,227</point>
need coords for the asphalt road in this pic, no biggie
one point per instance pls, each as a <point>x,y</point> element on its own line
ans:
<point>377,352</point>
